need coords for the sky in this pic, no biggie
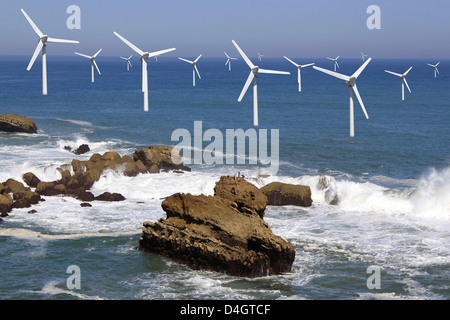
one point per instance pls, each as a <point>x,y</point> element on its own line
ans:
<point>295,28</point>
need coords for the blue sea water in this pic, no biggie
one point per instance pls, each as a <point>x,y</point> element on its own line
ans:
<point>392,178</point>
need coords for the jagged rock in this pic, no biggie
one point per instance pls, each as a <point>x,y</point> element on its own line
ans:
<point>14,186</point>
<point>5,204</point>
<point>25,199</point>
<point>107,196</point>
<point>16,123</point>
<point>216,233</point>
<point>32,211</point>
<point>157,158</point>
<point>282,194</point>
<point>30,179</point>
<point>84,148</point>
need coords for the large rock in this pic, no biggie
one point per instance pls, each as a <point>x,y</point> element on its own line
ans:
<point>157,158</point>
<point>5,204</point>
<point>31,179</point>
<point>282,194</point>
<point>218,233</point>
<point>16,123</point>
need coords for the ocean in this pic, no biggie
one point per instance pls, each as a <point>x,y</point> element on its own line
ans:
<point>392,179</point>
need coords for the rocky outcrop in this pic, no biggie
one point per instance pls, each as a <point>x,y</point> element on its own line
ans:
<point>16,123</point>
<point>282,194</point>
<point>157,158</point>
<point>224,232</point>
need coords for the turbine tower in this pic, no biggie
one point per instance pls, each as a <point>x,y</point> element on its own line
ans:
<point>128,62</point>
<point>42,47</point>
<point>436,71</point>
<point>144,56</point>
<point>254,71</point>
<point>229,61</point>
<point>350,82</point>
<point>299,67</point>
<point>194,67</point>
<point>404,82</point>
<point>335,62</point>
<point>93,63</point>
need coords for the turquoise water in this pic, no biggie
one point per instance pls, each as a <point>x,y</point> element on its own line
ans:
<point>391,179</point>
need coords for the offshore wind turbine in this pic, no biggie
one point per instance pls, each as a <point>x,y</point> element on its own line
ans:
<point>93,63</point>
<point>260,56</point>
<point>229,61</point>
<point>144,56</point>
<point>350,82</point>
<point>254,71</point>
<point>435,68</point>
<point>299,67</point>
<point>404,82</point>
<point>194,67</point>
<point>42,47</point>
<point>335,62</point>
<point>363,56</point>
<point>128,62</point>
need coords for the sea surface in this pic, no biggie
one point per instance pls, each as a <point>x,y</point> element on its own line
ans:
<point>392,179</point>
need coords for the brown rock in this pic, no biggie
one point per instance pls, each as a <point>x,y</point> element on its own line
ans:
<point>107,196</point>
<point>157,158</point>
<point>13,186</point>
<point>16,123</point>
<point>47,189</point>
<point>5,204</point>
<point>282,194</point>
<point>26,199</point>
<point>30,179</point>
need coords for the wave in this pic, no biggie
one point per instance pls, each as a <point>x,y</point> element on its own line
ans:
<point>25,234</point>
<point>52,289</point>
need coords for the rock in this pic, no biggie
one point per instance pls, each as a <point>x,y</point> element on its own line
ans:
<point>214,233</point>
<point>5,204</point>
<point>47,189</point>
<point>85,205</point>
<point>282,194</point>
<point>84,148</point>
<point>30,179</point>
<point>25,199</point>
<point>13,186</point>
<point>157,158</point>
<point>107,196</point>
<point>2,188</point>
<point>16,123</point>
<point>32,211</point>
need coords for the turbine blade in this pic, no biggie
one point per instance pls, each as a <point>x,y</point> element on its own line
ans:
<point>355,89</point>
<point>272,71</point>
<point>332,73</point>
<point>61,40</point>
<point>35,54</point>
<point>198,58</point>
<point>247,60</point>
<point>404,80</point>
<point>95,55</point>
<point>129,62</point>
<point>227,61</point>
<point>198,73</point>
<point>247,84</point>
<point>431,65</point>
<point>227,55</point>
<point>33,25</point>
<point>188,61</point>
<point>437,64</point>
<point>157,53</point>
<point>307,65</point>
<point>83,55</point>
<point>336,63</point>
<point>361,69</point>
<point>128,43</point>
<point>395,74</point>
<point>295,64</point>
<point>330,59</point>
<point>96,66</point>
<point>437,70</point>
<point>407,71</point>
<point>123,58</point>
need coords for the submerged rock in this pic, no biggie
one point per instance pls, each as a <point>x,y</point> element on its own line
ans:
<point>224,232</point>
<point>16,123</point>
<point>282,194</point>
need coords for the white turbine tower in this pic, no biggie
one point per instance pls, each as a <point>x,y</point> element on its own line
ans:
<point>42,47</point>
<point>229,61</point>
<point>128,62</point>
<point>403,77</point>
<point>350,82</point>
<point>260,56</point>
<point>335,62</point>
<point>299,67</point>
<point>194,67</point>
<point>93,63</point>
<point>252,78</point>
<point>436,71</point>
<point>144,56</point>
<point>363,56</point>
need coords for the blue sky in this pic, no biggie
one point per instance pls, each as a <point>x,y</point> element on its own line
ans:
<point>297,28</point>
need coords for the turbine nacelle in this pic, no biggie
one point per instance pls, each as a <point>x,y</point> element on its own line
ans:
<point>44,38</point>
<point>145,56</point>
<point>351,81</point>
<point>255,69</point>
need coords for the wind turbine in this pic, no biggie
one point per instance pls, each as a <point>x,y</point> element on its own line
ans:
<point>42,47</point>
<point>144,56</point>
<point>260,56</point>
<point>350,82</point>
<point>363,56</point>
<point>403,77</point>
<point>254,70</point>
<point>229,61</point>
<point>128,62</point>
<point>93,63</point>
<point>435,68</point>
<point>299,67</point>
<point>194,67</point>
<point>335,62</point>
